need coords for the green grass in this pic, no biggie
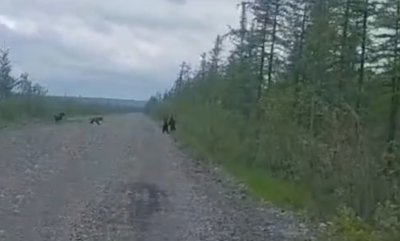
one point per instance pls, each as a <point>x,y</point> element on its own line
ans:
<point>19,109</point>
<point>224,147</point>
<point>274,190</point>
<point>284,194</point>
<point>261,184</point>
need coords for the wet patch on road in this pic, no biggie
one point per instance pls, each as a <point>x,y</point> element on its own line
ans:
<point>123,212</point>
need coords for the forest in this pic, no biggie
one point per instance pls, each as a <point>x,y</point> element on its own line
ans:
<point>304,108</point>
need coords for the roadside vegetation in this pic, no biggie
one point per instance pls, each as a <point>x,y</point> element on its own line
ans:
<point>304,110</point>
<point>22,100</point>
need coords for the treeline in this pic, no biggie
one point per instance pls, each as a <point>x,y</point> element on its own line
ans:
<point>23,100</point>
<point>310,95</point>
<point>10,85</point>
<point>20,98</point>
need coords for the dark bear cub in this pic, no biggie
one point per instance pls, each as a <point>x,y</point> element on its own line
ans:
<point>172,123</point>
<point>59,116</point>
<point>165,126</point>
<point>98,120</point>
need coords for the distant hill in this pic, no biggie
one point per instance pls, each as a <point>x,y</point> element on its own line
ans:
<point>109,102</point>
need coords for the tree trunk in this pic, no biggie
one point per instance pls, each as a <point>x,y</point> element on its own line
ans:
<point>272,50</point>
<point>299,56</point>
<point>262,58</point>
<point>394,105</point>
<point>362,60</point>
<point>243,26</point>
<point>343,53</point>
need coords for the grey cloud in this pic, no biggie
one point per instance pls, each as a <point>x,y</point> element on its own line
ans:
<point>67,70</point>
<point>118,48</point>
<point>178,1</point>
<point>172,23</point>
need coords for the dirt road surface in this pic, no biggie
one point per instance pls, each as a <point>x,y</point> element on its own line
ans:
<point>122,180</point>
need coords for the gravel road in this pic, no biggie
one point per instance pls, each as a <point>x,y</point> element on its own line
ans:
<point>122,180</point>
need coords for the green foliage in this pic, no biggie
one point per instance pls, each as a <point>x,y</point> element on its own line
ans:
<point>7,82</point>
<point>348,227</point>
<point>387,218</point>
<point>316,127</point>
<point>225,143</point>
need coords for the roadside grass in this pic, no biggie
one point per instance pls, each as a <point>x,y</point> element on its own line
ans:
<point>18,110</point>
<point>261,184</point>
<point>343,226</point>
<point>214,137</point>
<point>264,186</point>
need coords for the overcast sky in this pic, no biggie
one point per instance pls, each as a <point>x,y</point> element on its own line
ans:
<point>110,48</point>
